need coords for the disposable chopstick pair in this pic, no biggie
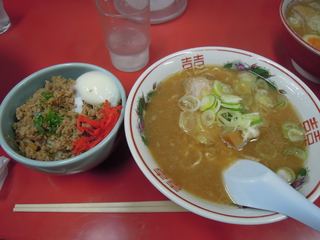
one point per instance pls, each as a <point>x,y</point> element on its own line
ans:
<point>102,207</point>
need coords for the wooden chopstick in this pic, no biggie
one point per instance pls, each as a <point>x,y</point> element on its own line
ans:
<point>102,207</point>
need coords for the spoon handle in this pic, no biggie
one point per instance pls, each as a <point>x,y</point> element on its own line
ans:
<point>296,206</point>
<point>254,185</point>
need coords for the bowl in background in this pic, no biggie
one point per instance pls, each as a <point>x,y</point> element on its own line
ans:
<point>306,103</point>
<point>26,88</point>
<point>304,57</point>
<point>166,10</point>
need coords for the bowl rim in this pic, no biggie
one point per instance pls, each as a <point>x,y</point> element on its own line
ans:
<point>282,10</point>
<point>48,164</point>
<point>268,217</point>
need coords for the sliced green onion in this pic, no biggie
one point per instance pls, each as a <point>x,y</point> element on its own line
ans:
<point>288,151</point>
<point>262,84</point>
<point>287,174</point>
<point>247,77</point>
<point>245,123</point>
<point>38,126</point>
<point>229,118</point>
<point>265,101</point>
<point>225,108</point>
<point>294,22</point>
<point>213,101</point>
<point>229,98</point>
<point>301,153</point>
<point>189,103</point>
<point>242,87</point>
<point>233,106</point>
<point>254,118</point>
<point>314,22</point>
<point>288,125</point>
<point>296,135</point>
<point>282,102</point>
<point>262,92</point>
<point>247,100</point>
<point>259,120</point>
<point>293,131</point>
<point>295,151</point>
<point>250,132</point>
<point>208,117</point>
<point>220,88</point>
<point>53,120</point>
<point>207,102</point>
<point>217,106</point>
<point>47,96</point>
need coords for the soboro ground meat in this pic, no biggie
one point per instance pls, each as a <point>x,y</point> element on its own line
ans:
<point>46,123</point>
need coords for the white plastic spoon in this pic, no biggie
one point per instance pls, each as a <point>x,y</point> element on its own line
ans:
<point>251,184</point>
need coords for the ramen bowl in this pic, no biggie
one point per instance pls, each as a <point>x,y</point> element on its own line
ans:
<point>26,88</point>
<point>305,102</point>
<point>305,58</point>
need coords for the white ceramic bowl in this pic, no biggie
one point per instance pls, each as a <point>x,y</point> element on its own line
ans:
<point>300,95</point>
<point>26,88</point>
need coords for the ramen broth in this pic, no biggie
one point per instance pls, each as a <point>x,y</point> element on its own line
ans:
<point>197,166</point>
<point>304,18</point>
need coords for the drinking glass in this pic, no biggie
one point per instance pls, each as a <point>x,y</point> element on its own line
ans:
<point>126,29</point>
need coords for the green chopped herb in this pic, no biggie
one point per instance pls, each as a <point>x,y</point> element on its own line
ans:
<point>303,172</point>
<point>52,121</point>
<point>38,126</point>
<point>47,96</point>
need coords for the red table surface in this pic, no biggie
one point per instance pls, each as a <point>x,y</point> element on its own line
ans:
<point>45,33</point>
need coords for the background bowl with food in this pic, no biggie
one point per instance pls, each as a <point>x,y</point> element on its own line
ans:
<point>301,33</point>
<point>195,112</point>
<point>63,119</point>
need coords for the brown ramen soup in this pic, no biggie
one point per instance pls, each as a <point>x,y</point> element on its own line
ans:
<point>198,122</point>
<point>304,19</point>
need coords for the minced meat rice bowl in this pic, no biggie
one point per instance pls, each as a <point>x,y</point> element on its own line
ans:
<point>48,127</point>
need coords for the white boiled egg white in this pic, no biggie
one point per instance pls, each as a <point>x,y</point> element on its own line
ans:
<point>95,87</point>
